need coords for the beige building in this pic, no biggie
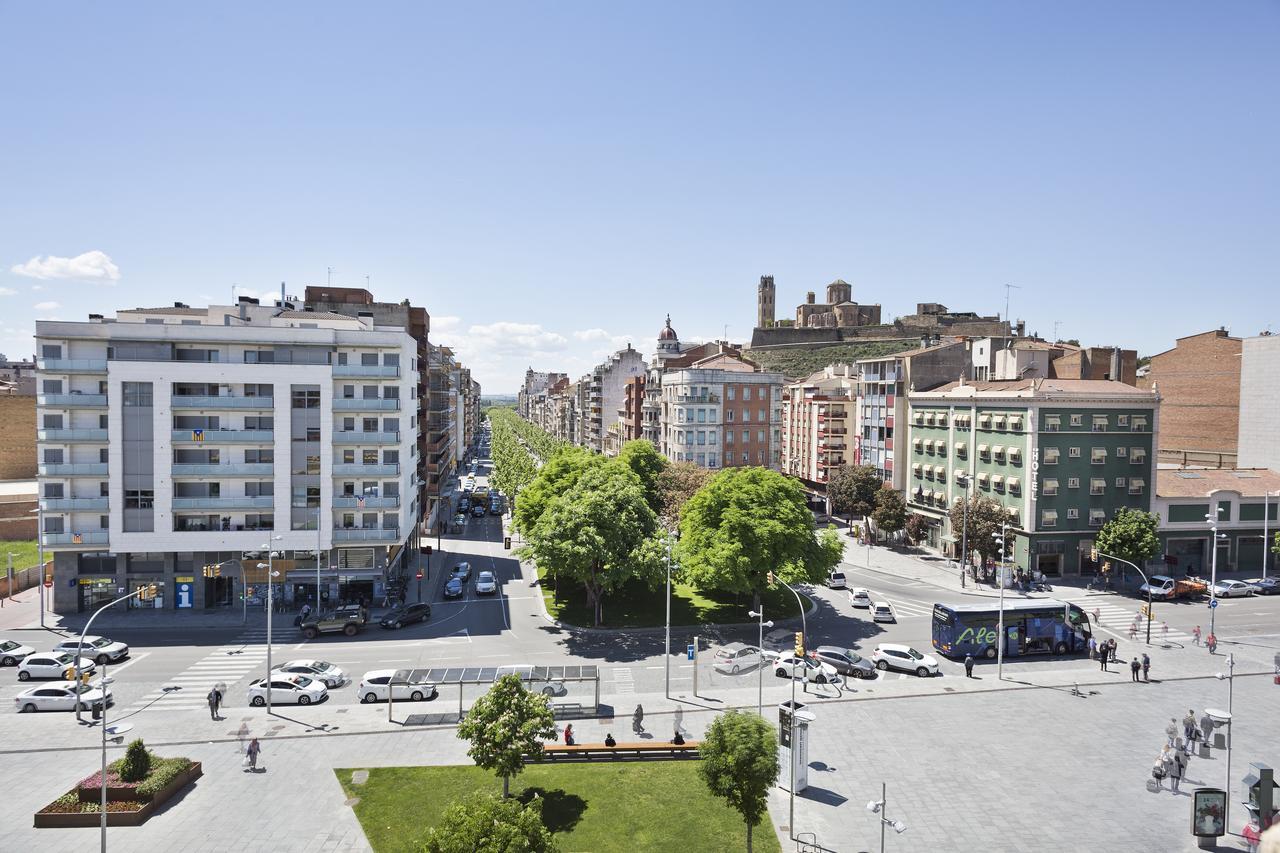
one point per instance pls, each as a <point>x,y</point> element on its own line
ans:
<point>817,423</point>
<point>722,411</point>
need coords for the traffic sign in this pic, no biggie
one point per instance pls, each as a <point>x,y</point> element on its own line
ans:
<point>48,583</point>
<point>1213,602</point>
<point>419,575</point>
<point>689,651</point>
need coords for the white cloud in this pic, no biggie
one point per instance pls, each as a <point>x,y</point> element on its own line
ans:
<point>515,338</point>
<point>445,324</point>
<point>90,266</point>
<point>8,291</point>
<point>587,335</point>
<point>46,306</point>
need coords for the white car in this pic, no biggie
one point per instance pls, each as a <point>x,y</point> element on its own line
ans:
<point>904,659</point>
<point>807,668</point>
<point>52,665</point>
<point>485,584</point>
<point>100,649</point>
<point>1232,589</point>
<point>534,681</point>
<point>860,598</point>
<point>11,652</point>
<point>320,670</point>
<point>57,697</point>
<point>733,657</point>
<point>836,580</point>
<point>287,690</point>
<point>375,686</point>
<point>881,611</point>
<point>780,638</point>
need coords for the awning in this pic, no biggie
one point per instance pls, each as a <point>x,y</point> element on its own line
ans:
<point>998,450</point>
<point>960,446</point>
<point>1013,482</point>
<point>982,448</point>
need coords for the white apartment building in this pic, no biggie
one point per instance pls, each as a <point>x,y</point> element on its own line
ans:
<point>604,390</point>
<point>722,412</point>
<point>817,418</point>
<point>174,439</point>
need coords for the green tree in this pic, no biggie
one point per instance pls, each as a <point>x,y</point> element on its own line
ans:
<point>506,725</point>
<point>985,517</point>
<point>648,464</point>
<point>555,478</point>
<point>678,482</point>
<point>1275,549</point>
<point>136,762</point>
<point>747,522</point>
<point>484,822</point>
<point>1130,534</point>
<point>890,514</point>
<point>740,763</point>
<point>600,533</point>
<point>917,528</point>
<point>853,489</point>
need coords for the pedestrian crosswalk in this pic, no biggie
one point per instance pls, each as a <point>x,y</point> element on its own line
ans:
<point>906,609</point>
<point>229,664</point>
<point>1119,618</point>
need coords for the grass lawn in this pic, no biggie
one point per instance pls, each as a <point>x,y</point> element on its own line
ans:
<point>622,806</point>
<point>637,606</point>
<point>24,553</point>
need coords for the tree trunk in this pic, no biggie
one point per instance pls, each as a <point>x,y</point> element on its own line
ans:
<point>748,838</point>
<point>506,789</point>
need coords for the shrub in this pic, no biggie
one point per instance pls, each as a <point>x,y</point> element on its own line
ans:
<point>163,771</point>
<point>136,762</point>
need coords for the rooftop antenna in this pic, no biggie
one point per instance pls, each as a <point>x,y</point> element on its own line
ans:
<point>282,305</point>
<point>1056,324</point>
<point>366,282</point>
<point>1007,289</point>
<point>329,277</point>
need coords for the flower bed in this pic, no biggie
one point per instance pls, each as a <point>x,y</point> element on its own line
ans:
<point>162,772</point>
<point>128,803</point>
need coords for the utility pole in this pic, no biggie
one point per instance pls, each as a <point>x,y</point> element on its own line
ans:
<point>1008,288</point>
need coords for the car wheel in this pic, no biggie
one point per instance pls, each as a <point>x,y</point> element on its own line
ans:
<point>310,633</point>
<point>350,630</point>
<point>821,679</point>
<point>24,676</point>
<point>548,691</point>
<point>733,670</point>
<point>102,660</point>
<point>28,708</point>
<point>416,695</point>
<point>257,701</point>
<point>922,672</point>
<point>882,664</point>
<point>990,653</point>
<point>369,698</point>
<point>780,672</point>
<point>1060,648</point>
<point>304,699</point>
<point>10,661</point>
<point>395,625</point>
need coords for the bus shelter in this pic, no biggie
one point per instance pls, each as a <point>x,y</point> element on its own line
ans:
<point>551,681</point>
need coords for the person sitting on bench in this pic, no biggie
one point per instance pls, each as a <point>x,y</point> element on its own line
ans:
<point>609,741</point>
<point>678,740</point>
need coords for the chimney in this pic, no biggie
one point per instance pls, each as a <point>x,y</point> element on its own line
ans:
<point>809,298</point>
<point>1115,364</point>
<point>924,340</point>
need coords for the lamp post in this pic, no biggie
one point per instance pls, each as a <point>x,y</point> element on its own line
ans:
<point>1266,533</point>
<point>117,736</point>
<point>667,639</point>
<point>1229,677</point>
<point>759,614</point>
<point>1003,536</point>
<point>319,509</point>
<point>270,567</point>
<point>881,807</point>
<point>39,512</point>
<point>791,771</point>
<point>964,531</point>
<point>1213,571</point>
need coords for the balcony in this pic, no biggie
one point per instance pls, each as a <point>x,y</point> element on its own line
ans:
<point>370,502</point>
<point>75,504</point>
<point>72,365</point>
<point>219,503</point>
<point>347,469</point>
<point>89,537</point>
<point>697,398</point>
<point>369,371</point>
<point>71,436</point>
<point>74,469</point>
<point>356,437</point>
<point>238,469</point>
<point>366,534</point>
<point>73,400</point>
<point>223,436</point>
<point>356,404</point>
<point>221,402</point>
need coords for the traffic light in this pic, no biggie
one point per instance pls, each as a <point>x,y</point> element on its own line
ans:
<point>1093,555</point>
<point>769,577</point>
<point>148,592</point>
<point>1106,567</point>
<point>506,542</point>
<point>799,644</point>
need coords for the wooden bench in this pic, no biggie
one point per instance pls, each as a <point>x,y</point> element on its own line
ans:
<point>642,751</point>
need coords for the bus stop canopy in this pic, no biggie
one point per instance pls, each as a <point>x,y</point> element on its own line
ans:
<point>472,675</point>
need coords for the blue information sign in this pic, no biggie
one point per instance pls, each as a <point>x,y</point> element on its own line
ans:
<point>689,651</point>
<point>1213,603</point>
<point>184,595</point>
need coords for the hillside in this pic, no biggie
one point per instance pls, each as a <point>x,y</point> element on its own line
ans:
<point>799,362</point>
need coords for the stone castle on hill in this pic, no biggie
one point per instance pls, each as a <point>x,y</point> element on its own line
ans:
<point>841,320</point>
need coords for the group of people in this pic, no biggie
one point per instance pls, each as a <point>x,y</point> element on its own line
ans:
<point>637,726</point>
<point>1180,740</point>
<point>1105,652</point>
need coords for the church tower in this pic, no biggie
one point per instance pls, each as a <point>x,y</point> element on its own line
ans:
<point>764,303</point>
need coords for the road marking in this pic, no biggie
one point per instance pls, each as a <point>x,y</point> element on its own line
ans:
<point>132,660</point>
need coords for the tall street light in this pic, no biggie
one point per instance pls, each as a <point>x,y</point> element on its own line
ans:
<point>964,530</point>
<point>1003,537</point>
<point>1266,532</point>
<point>39,513</point>
<point>667,641</point>
<point>791,759</point>
<point>1213,572</point>
<point>1228,677</point>
<point>759,614</point>
<point>270,567</point>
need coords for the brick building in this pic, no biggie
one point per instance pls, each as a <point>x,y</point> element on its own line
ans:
<point>1199,384</point>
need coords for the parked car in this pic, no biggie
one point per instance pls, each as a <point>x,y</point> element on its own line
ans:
<point>349,619</point>
<point>860,598</point>
<point>453,588</point>
<point>733,657</point>
<point>406,615</point>
<point>101,649</point>
<point>846,661</point>
<point>904,659</point>
<point>779,639</point>
<point>464,504</point>
<point>287,690</point>
<point>52,665</point>
<point>1167,588</point>
<point>479,511</point>
<point>320,670</point>
<point>462,571</point>
<point>459,523</point>
<point>813,671</point>
<point>410,685</point>
<point>58,697</point>
<point>882,612</point>
<point>486,584</point>
<point>1264,586</point>
<point>11,652</point>
<point>1232,589</point>
<point>836,580</point>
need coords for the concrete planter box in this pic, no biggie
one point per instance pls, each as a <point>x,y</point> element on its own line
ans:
<point>129,818</point>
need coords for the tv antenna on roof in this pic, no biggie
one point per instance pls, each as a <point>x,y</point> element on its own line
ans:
<point>329,277</point>
<point>1007,289</point>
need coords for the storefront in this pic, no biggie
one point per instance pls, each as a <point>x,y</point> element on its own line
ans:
<point>97,592</point>
<point>140,602</point>
<point>1189,554</point>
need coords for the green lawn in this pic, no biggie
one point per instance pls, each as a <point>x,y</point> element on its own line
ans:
<point>24,553</point>
<point>637,606</point>
<point>622,806</point>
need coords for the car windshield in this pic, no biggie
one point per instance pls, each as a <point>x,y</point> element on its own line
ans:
<point>64,658</point>
<point>486,576</point>
<point>322,665</point>
<point>100,642</point>
<point>7,646</point>
<point>915,654</point>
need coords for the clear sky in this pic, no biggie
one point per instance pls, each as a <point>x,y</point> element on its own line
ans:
<point>550,179</point>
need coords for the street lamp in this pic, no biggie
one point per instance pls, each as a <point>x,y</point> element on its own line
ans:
<point>881,807</point>
<point>1213,572</point>
<point>759,614</point>
<point>39,513</point>
<point>269,566</point>
<point>1266,533</point>
<point>1228,677</point>
<point>791,771</point>
<point>964,531</point>
<point>1003,537</point>
<point>116,733</point>
<point>667,649</point>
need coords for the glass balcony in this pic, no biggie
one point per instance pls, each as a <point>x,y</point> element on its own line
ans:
<point>223,436</point>
<point>242,502</point>
<point>72,365</point>
<point>357,470</point>
<point>371,534</point>
<point>74,504</point>
<point>349,404</point>
<point>370,502</point>
<point>378,371</point>
<point>223,402</point>
<point>73,400</point>
<point>74,469</point>
<point>355,437</point>
<point>89,537</point>
<point>239,469</point>
<point>71,436</point>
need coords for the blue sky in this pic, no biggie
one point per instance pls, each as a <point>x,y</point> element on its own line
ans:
<point>551,179</point>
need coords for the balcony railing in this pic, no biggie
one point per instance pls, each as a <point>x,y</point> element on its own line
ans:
<point>74,469</point>
<point>238,469</point>
<point>347,469</point>
<point>356,437</point>
<point>71,435</point>
<point>223,436</point>
<point>381,371</point>
<point>195,401</point>
<point>697,398</point>
<point>241,502</point>
<point>89,537</point>
<point>75,504</point>
<point>72,365</point>
<point>370,502</point>
<point>73,400</point>
<point>366,534</point>
<point>358,404</point>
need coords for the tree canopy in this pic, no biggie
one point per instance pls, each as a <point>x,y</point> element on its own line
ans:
<point>740,763</point>
<point>747,522</point>
<point>555,478</point>
<point>678,482</point>
<point>985,517</point>
<point>648,464</point>
<point>853,489</point>
<point>890,514</point>
<point>493,824</point>
<point>505,725</point>
<point>1130,534</point>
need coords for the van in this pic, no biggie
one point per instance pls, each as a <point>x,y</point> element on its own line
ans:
<point>882,612</point>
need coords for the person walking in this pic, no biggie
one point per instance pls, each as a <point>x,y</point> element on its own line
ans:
<point>1212,643</point>
<point>1195,635</point>
<point>637,720</point>
<point>1111,649</point>
<point>1103,658</point>
<point>1135,666</point>
<point>1093,648</point>
<point>678,720</point>
<point>1176,767</point>
<point>968,666</point>
<point>251,755</point>
<point>1097,619</point>
<point>1133,630</point>
<point>1189,726</point>
<point>1158,771</point>
<point>214,700</point>
<point>1171,731</point>
<point>1146,667</point>
<point>1206,727</point>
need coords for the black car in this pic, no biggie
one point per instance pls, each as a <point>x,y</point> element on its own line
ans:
<point>1264,586</point>
<point>464,504</point>
<point>846,661</point>
<point>453,588</point>
<point>478,511</point>
<point>406,615</point>
<point>462,572</point>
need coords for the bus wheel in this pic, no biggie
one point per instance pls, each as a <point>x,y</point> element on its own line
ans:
<point>990,653</point>
<point>1060,648</point>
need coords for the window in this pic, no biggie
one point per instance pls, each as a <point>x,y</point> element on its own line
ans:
<point>1099,423</point>
<point>1137,485</point>
<point>998,452</point>
<point>1050,486</point>
<point>1073,514</point>
<point>53,421</point>
<point>306,398</point>
<point>1120,482</point>
<point>961,450</point>
<point>984,452</point>
<point>728,413</point>
<point>391,359</point>
<point>1073,452</point>
<point>728,436</point>
<point>1077,420</point>
<point>917,443</point>
<point>729,394</point>
<point>1097,517</point>
<point>1098,455</point>
<point>702,416</point>
<point>1051,455</point>
<point>1122,452</point>
<point>711,457</point>
<point>942,419</point>
<point>999,422</point>
<point>51,351</point>
<point>1048,518</point>
<point>136,393</point>
<point>1122,420</point>
<point>1139,423</point>
<point>139,498</point>
<point>1137,455</point>
<point>1015,423</point>
<point>369,359</point>
<point>1073,482</point>
<point>53,490</point>
<point>1097,486</point>
<point>746,458</point>
<point>711,437</point>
